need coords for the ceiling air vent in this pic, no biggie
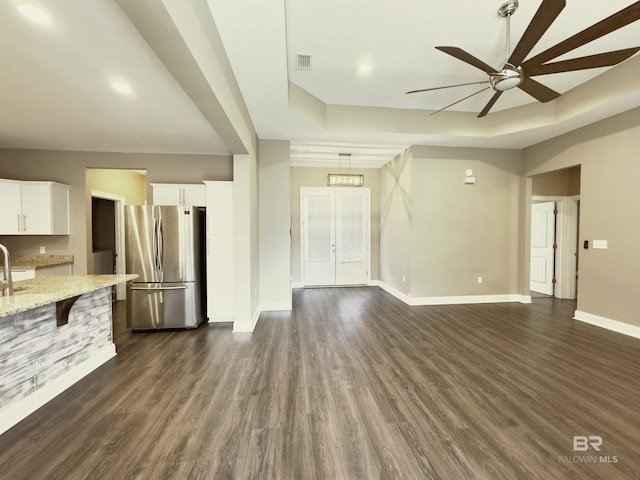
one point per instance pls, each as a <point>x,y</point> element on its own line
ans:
<point>303,61</point>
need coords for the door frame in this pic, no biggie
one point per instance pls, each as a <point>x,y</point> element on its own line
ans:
<point>547,251</point>
<point>311,190</point>
<point>566,235</point>
<point>119,201</point>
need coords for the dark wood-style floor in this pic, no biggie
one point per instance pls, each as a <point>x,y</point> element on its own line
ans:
<point>352,384</point>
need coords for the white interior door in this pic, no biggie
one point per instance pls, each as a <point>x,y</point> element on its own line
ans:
<point>542,251</point>
<point>335,236</point>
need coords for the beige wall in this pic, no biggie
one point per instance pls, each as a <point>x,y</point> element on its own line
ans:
<point>317,177</point>
<point>130,184</point>
<point>463,231</point>
<point>70,168</point>
<point>609,199</point>
<point>441,234</point>
<point>396,207</point>
<point>559,183</point>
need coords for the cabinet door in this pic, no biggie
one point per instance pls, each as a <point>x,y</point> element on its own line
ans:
<point>37,206</point>
<point>11,211</point>
<point>219,207</point>
<point>194,195</point>
<point>178,194</point>
<point>167,194</point>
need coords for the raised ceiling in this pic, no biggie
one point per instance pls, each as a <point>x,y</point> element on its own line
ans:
<point>335,106</point>
<point>57,78</point>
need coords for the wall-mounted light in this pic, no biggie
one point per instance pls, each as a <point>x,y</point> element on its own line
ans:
<point>345,179</point>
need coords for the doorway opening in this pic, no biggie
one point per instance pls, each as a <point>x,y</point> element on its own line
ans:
<point>555,219</point>
<point>109,190</point>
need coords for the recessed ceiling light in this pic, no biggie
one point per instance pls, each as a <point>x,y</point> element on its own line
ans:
<point>364,68</point>
<point>122,87</point>
<point>34,13</point>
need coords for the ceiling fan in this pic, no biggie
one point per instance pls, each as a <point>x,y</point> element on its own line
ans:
<point>518,72</point>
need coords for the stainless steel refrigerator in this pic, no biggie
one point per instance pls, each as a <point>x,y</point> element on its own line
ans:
<point>165,246</point>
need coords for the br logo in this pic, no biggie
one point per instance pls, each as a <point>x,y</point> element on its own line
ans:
<point>583,443</point>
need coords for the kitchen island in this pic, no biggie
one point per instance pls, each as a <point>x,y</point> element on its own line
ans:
<point>53,332</point>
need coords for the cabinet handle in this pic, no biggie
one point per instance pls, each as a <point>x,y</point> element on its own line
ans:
<point>19,228</point>
<point>24,223</point>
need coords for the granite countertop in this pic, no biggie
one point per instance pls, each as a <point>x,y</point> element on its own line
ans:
<point>40,261</point>
<point>41,291</point>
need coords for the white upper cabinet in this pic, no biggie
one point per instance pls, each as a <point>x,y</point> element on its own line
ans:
<point>219,207</point>
<point>179,194</point>
<point>11,211</point>
<point>34,208</point>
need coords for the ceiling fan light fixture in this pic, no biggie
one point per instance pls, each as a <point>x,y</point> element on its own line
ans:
<point>507,78</point>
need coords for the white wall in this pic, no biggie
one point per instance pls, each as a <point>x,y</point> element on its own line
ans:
<point>275,225</point>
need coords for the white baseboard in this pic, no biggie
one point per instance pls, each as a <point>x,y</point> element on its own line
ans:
<point>18,411</point>
<point>276,306</point>
<point>212,321</point>
<point>466,299</point>
<point>246,326</point>
<point>453,299</point>
<point>297,285</point>
<point>406,298</point>
<point>614,325</point>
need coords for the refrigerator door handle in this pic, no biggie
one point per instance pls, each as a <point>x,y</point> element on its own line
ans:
<point>159,289</point>
<point>155,248</point>
<point>160,246</point>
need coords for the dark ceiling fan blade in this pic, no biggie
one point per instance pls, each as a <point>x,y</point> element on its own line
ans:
<point>461,100</point>
<point>540,23</point>
<point>538,91</point>
<point>489,105</point>
<point>447,86</point>
<point>590,61</point>
<point>614,22</point>
<point>467,58</point>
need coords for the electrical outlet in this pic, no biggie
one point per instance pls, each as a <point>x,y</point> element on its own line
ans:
<point>43,250</point>
<point>404,279</point>
<point>479,278</point>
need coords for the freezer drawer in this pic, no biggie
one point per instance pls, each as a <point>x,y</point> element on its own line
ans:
<point>156,306</point>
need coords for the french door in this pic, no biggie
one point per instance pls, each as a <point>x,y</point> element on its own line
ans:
<point>335,229</point>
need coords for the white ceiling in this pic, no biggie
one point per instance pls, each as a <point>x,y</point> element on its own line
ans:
<point>56,85</point>
<point>56,80</point>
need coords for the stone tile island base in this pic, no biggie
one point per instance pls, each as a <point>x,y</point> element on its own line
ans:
<point>40,356</point>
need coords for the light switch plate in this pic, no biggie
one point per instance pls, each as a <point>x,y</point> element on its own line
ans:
<point>600,244</point>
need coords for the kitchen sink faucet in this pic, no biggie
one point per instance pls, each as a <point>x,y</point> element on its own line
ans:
<point>7,283</point>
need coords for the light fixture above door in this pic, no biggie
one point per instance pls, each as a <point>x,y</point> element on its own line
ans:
<point>345,179</point>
